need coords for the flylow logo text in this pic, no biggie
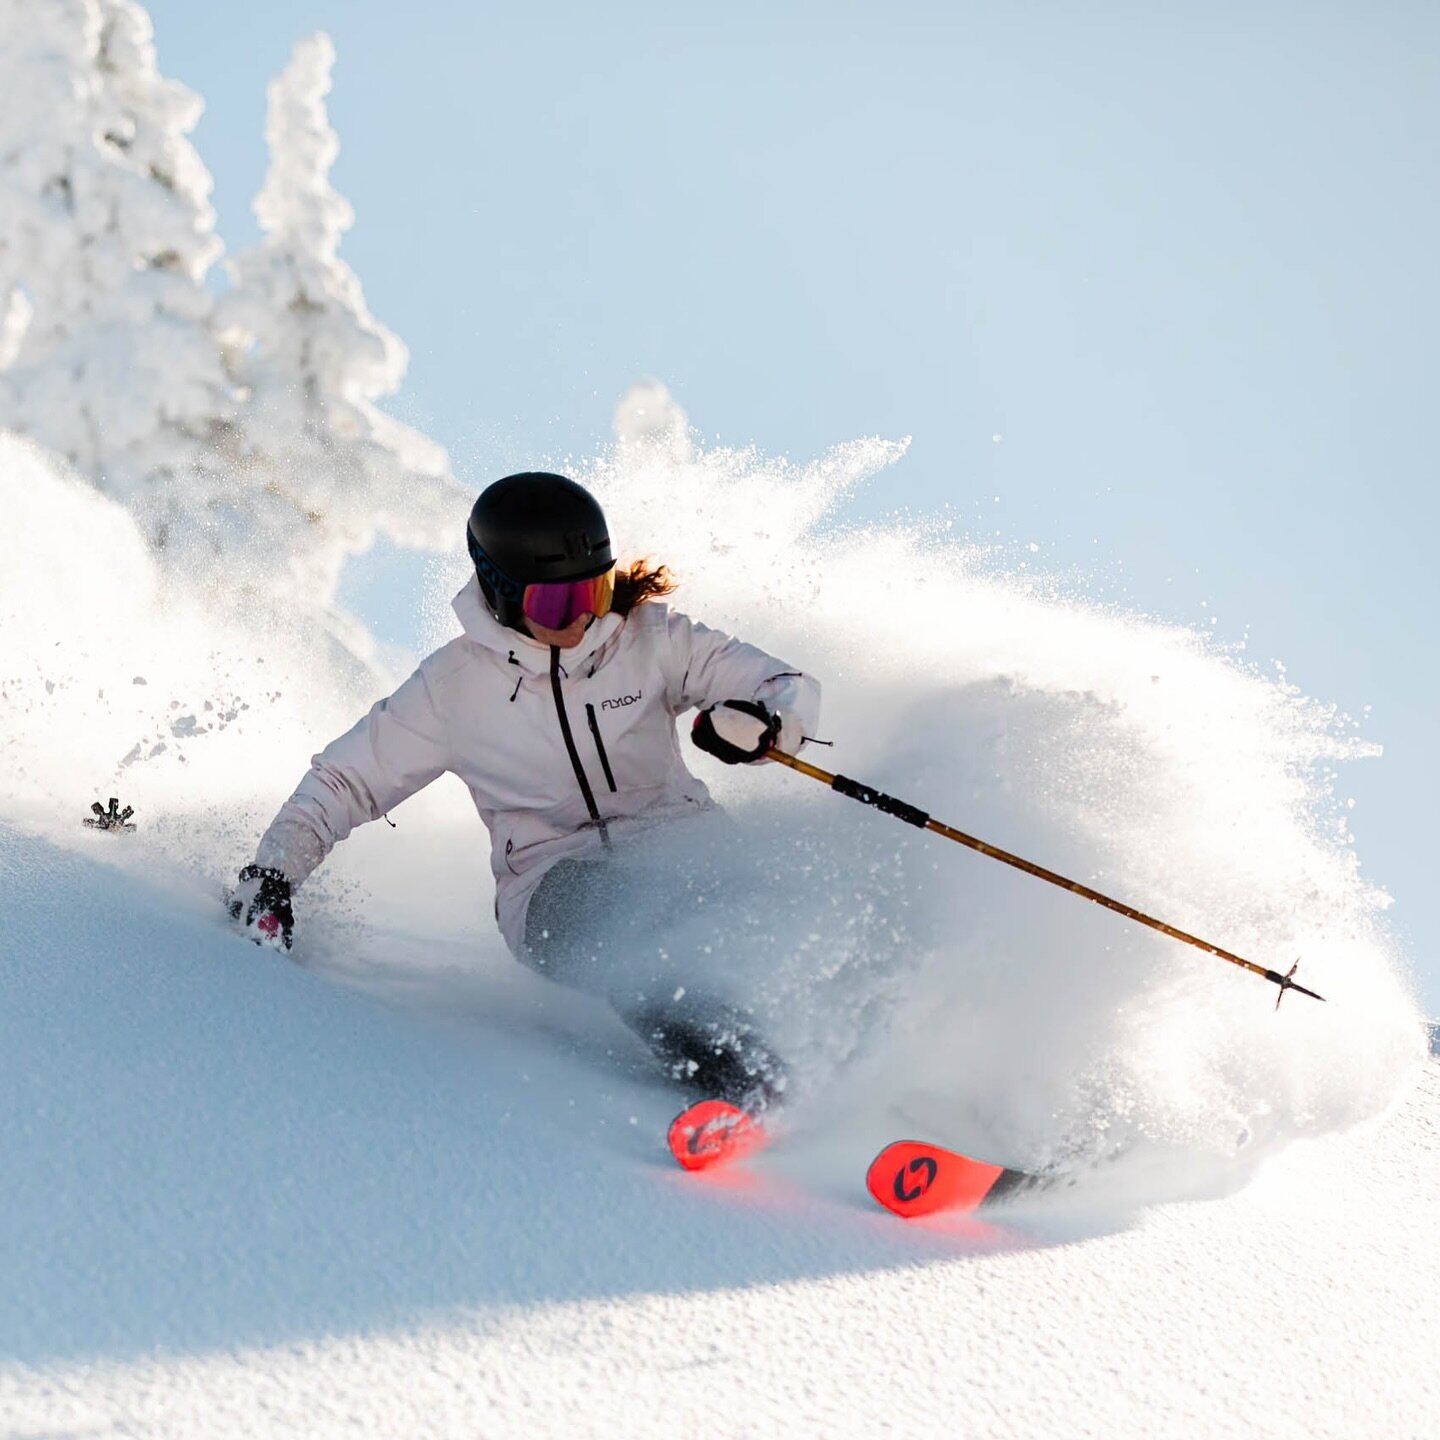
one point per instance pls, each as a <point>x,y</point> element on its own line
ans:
<point>621,702</point>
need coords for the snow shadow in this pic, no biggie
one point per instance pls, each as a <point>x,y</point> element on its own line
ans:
<point>206,1147</point>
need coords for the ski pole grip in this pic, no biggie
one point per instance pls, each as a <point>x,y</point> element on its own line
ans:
<point>887,804</point>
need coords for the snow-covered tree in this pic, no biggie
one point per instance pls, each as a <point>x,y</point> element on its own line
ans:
<point>311,360</point>
<point>106,238</point>
<point>248,429</point>
<point>47,76</point>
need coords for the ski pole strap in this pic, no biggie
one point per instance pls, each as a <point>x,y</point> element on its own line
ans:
<point>887,804</point>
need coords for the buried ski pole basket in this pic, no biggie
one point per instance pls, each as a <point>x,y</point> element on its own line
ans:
<point>112,819</point>
<point>913,815</point>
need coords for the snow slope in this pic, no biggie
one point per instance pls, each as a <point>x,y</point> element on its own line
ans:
<point>402,1187</point>
<point>241,1200</point>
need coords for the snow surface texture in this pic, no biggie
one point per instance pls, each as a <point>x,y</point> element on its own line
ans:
<point>404,1187</point>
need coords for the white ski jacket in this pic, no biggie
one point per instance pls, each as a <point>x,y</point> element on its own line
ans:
<point>562,750</point>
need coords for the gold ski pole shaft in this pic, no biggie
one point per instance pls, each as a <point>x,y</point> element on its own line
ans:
<point>914,816</point>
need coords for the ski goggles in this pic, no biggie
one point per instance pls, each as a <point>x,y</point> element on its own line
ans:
<point>556,604</point>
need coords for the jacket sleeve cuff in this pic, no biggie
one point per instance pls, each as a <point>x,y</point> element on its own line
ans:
<point>292,847</point>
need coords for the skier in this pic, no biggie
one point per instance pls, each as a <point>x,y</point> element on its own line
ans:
<point>557,709</point>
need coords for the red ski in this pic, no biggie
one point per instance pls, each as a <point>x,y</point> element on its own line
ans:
<point>911,1178</point>
<point>714,1132</point>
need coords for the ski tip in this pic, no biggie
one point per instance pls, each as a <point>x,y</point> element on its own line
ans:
<point>714,1132</point>
<point>911,1178</point>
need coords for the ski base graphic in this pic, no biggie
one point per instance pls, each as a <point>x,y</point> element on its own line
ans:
<point>912,1178</point>
<point>714,1132</point>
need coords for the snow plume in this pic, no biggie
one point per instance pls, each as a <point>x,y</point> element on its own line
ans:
<point>118,678</point>
<point>651,427</point>
<point>1132,755</point>
<point>906,978</point>
<point>749,507</point>
<point>332,468</point>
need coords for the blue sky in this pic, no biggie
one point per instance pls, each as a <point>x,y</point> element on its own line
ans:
<point>1179,257</point>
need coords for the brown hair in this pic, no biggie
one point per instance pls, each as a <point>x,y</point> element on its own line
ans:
<point>638,582</point>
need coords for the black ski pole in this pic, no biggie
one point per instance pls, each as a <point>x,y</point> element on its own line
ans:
<point>912,815</point>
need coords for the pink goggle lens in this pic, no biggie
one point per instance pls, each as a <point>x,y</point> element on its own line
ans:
<point>556,605</point>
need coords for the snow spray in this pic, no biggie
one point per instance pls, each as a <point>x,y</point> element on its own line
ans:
<point>903,976</point>
<point>1003,1015</point>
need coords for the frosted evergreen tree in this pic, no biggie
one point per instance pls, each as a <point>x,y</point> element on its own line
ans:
<point>311,360</point>
<point>48,79</point>
<point>38,80</point>
<point>116,366</point>
<point>111,349</point>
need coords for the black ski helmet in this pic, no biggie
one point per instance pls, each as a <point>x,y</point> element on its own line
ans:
<point>531,528</point>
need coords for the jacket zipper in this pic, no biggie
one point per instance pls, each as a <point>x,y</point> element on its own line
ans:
<point>574,754</point>
<point>600,748</point>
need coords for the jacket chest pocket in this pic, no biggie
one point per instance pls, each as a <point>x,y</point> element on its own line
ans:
<point>629,744</point>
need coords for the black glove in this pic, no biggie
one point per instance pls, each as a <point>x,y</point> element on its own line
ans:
<point>260,905</point>
<point>738,732</point>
